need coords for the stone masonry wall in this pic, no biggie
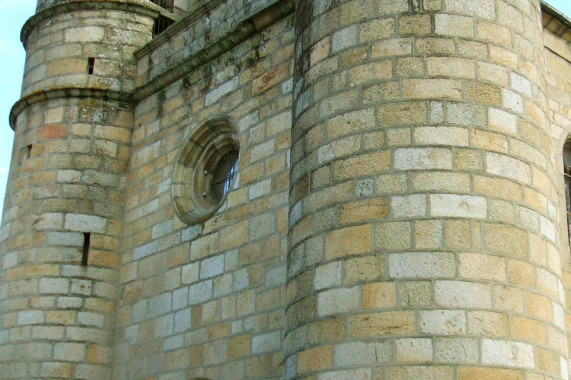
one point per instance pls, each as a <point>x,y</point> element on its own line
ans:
<point>63,218</point>
<point>425,231</point>
<point>557,39</point>
<point>58,48</point>
<point>207,300</point>
<point>58,316</point>
<point>397,213</point>
<point>203,28</point>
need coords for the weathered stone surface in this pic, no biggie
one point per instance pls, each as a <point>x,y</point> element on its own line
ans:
<point>393,213</point>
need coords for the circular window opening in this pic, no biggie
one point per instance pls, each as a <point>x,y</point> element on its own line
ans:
<point>205,170</point>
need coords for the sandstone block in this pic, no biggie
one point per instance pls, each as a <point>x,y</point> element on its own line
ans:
<point>422,158</point>
<point>328,275</point>
<point>405,114</point>
<point>85,34</point>
<point>315,359</point>
<point>414,350</point>
<point>266,342</point>
<point>408,206</point>
<point>363,269</point>
<point>393,236</point>
<point>529,330</point>
<point>393,7</point>
<point>74,352</point>
<point>348,241</point>
<point>364,210</point>
<point>379,295</point>
<point>456,350</point>
<point>466,114</point>
<point>392,47</point>
<point>443,322</point>
<point>365,164</point>
<point>466,295</point>
<point>460,206</point>
<point>375,29</point>
<point>478,373</point>
<point>488,324</point>
<point>422,265</point>
<point>432,89</point>
<point>379,324</point>
<point>441,136</point>
<point>370,72</point>
<point>494,33</point>
<point>485,9</point>
<point>428,234</point>
<point>505,239</point>
<point>361,353</point>
<point>344,38</point>
<point>508,167</point>
<point>338,301</point>
<point>507,353</point>
<point>454,25</point>
<point>482,267</point>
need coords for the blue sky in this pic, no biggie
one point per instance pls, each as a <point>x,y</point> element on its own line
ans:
<point>13,14</point>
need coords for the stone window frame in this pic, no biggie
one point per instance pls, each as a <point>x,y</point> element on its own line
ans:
<point>201,155</point>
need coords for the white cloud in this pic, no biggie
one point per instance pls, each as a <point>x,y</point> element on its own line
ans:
<point>4,170</point>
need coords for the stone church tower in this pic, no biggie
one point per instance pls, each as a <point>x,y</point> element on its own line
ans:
<point>280,189</point>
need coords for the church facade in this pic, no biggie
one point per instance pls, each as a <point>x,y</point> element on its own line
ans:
<point>282,189</point>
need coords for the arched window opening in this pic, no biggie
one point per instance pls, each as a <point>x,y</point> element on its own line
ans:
<point>205,170</point>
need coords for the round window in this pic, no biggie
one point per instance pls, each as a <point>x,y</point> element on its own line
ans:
<point>205,170</point>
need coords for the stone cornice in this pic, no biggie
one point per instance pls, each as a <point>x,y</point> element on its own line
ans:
<point>65,93</point>
<point>243,31</point>
<point>194,14</point>
<point>133,6</point>
<point>556,22</point>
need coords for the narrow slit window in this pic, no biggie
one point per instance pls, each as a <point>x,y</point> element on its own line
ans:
<point>28,152</point>
<point>90,65</point>
<point>86,244</point>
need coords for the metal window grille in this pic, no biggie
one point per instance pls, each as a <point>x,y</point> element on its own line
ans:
<point>222,176</point>
<point>166,4</point>
<point>161,24</point>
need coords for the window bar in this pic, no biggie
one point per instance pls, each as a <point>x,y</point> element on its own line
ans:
<point>161,24</point>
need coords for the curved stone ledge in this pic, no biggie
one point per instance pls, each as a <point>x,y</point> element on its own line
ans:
<point>242,32</point>
<point>62,93</point>
<point>145,8</point>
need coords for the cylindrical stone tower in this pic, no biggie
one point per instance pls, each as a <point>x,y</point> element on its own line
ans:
<point>423,234</point>
<point>63,211</point>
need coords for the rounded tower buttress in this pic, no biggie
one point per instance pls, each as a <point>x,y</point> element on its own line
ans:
<point>62,223</point>
<point>423,240</point>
